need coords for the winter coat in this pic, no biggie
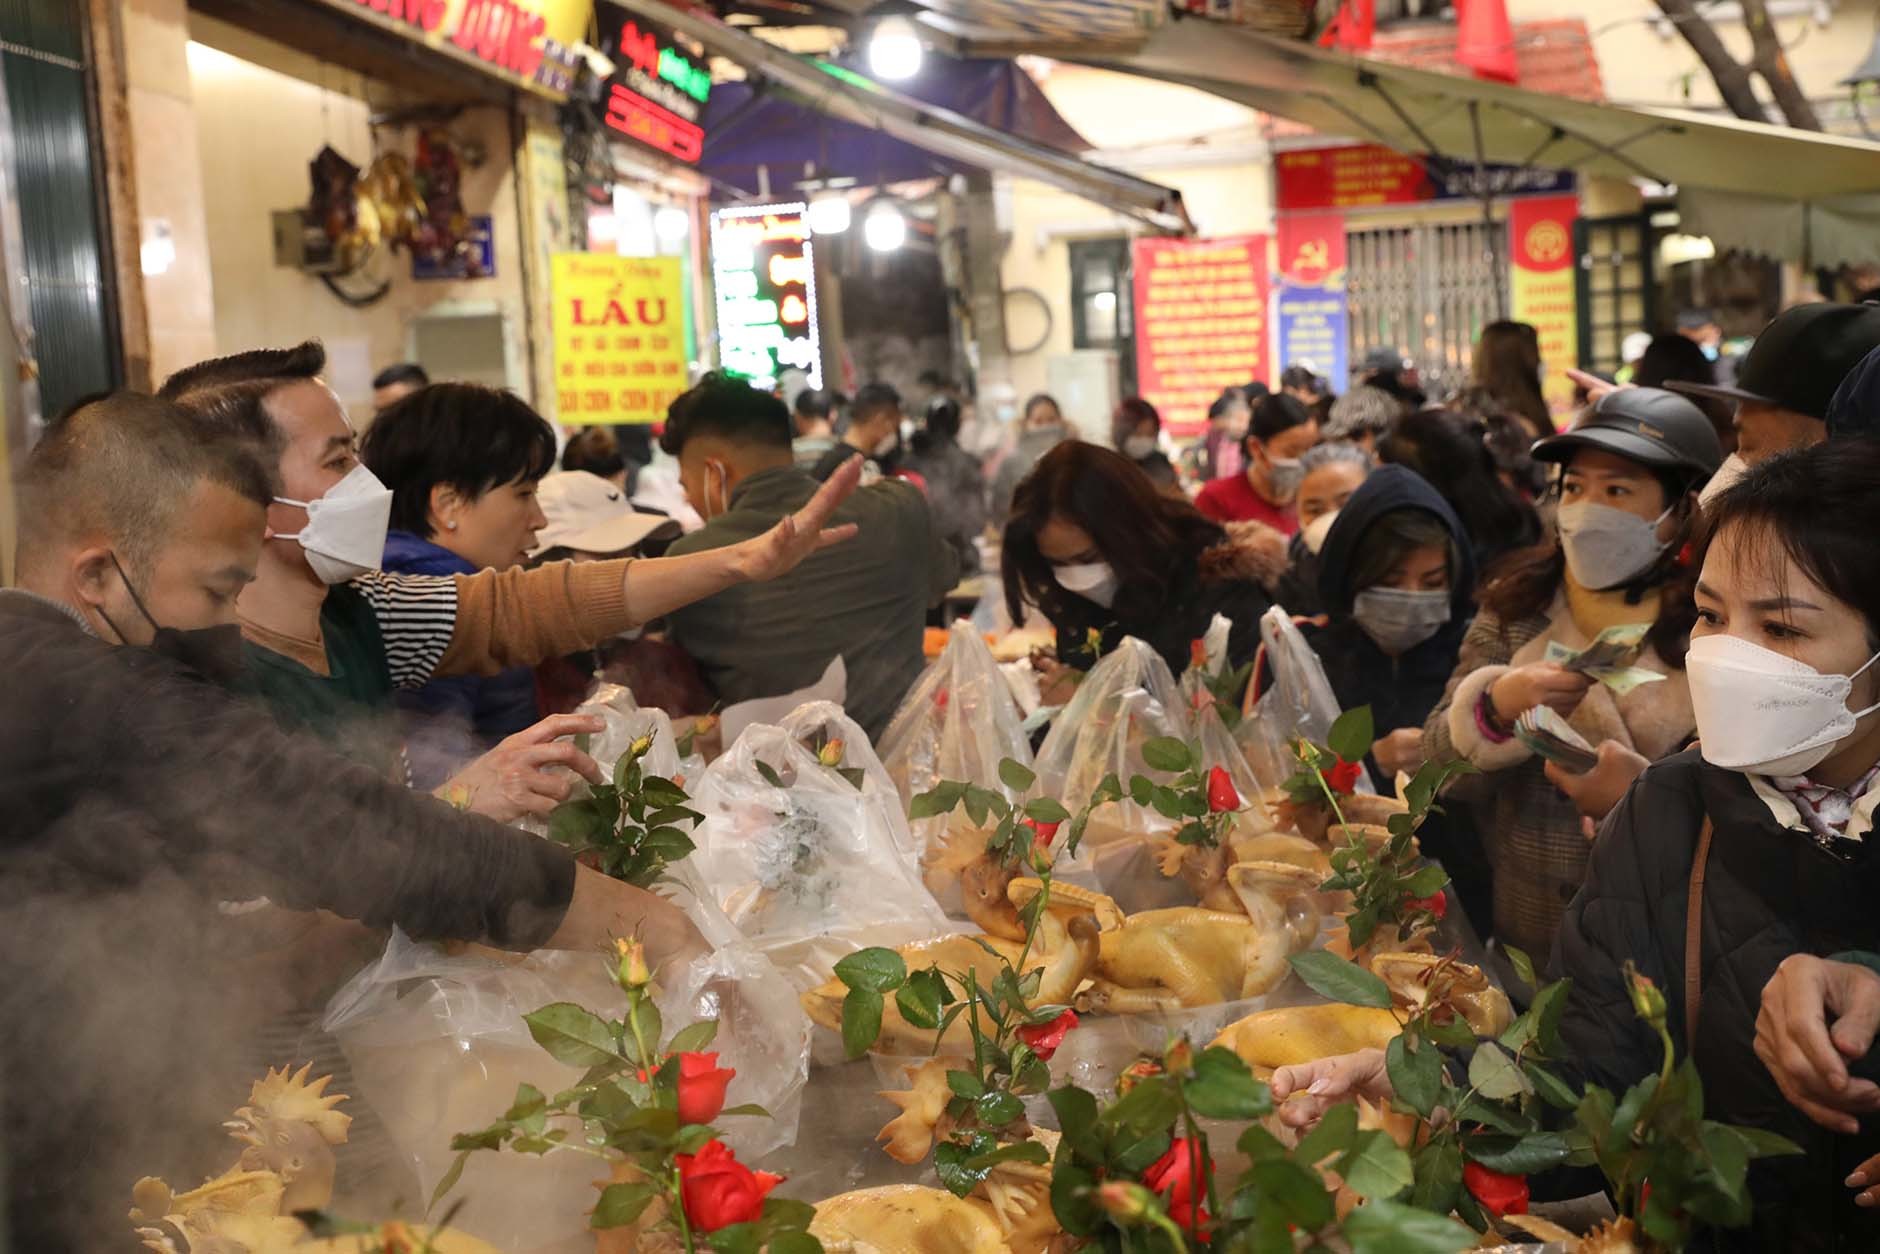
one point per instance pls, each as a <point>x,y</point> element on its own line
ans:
<point>1769,892</point>
<point>1230,579</point>
<point>1401,690</point>
<point>1032,445</point>
<point>1532,832</point>
<point>449,722</point>
<point>956,492</point>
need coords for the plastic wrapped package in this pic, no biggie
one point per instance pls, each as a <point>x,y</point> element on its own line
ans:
<point>802,865</point>
<point>958,722</point>
<point>1298,701</point>
<point>437,1046</point>
<point>627,722</point>
<point>817,723</point>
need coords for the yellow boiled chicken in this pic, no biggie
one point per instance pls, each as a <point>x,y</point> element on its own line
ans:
<point>905,1219</point>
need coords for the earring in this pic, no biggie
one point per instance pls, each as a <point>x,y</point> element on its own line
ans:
<point>450,526</point>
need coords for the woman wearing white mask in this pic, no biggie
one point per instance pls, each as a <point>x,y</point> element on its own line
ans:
<point>1136,430</point>
<point>1627,491</point>
<point>1739,869</point>
<point>1333,472</point>
<point>1268,490</point>
<point>1094,546</point>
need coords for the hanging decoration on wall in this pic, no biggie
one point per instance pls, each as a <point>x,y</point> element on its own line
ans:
<point>443,236</point>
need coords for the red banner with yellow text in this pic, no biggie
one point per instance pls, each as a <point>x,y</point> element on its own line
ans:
<point>1200,322</point>
<point>1540,245</point>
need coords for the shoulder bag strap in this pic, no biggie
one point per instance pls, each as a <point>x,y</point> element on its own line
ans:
<point>1694,938</point>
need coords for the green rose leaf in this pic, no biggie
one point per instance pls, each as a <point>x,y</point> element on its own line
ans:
<point>1077,1119</point>
<point>693,1039</point>
<point>794,1242</point>
<point>1523,965</point>
<point>572,1035</point>
<point>1141,790</point>
<point>995,1110</point>
<point>1496,1076</point>
<point>874,970</point>
<point>1519,1156</point>
<point>1046,810</point>
<point>1392,1228</point>
<point>966,1084</point>
<point>1333,1135</point>
<point>1352,734</point>
<point>940,799</point>
<point>1223,1087</point>
<point>1168,755</point>
<point>1437,1167</point>
<point>1331,976</point>
<point>1016,775</point>
<point>1375,1167</point>
<point>919,999</point>
<point>621,1204</point>
<point>1294,1190</point>
<point>861,1020</point>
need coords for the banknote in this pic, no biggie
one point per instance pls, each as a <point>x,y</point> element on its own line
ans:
<point>1547,734</point>
<point>1609,659</point>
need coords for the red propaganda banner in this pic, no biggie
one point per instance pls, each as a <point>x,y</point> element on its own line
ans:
<point>1312,249</point>
<point>1310,314</point>
<point>1349,178</point>
<point>1200,322</point>
<point>1540,244</point>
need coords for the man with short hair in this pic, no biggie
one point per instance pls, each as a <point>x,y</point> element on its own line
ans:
<point>815,412</point>
<point>1362,416</point>
<point>331,638</point>
<point>1789,376</point>
<point>866,602</point>
<point>139,795</point>
<point>874,431</point>
<point>395,383</point>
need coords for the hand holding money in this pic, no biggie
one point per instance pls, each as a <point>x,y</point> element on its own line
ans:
<point>1538,683</point>
<point>1611,658</point>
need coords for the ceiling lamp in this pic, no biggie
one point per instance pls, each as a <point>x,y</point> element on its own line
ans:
<point>894,48</point>
<point>670,223</point>
<point>884,226</point>
<point>829,215</point>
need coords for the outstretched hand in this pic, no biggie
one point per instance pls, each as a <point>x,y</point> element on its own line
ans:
<point>519,777</point>
<point>784,547</point>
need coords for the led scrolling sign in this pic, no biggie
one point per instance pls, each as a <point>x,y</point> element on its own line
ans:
<point>764,270</point>
<point>658,91</point>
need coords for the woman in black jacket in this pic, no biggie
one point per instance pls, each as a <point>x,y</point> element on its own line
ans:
<point>1093,545</point>
<point>1768,825</point>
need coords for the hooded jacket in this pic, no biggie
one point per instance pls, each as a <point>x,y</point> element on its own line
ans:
<point>1232,578</point>
<point>1768,892</point>
<point>1401,690</point>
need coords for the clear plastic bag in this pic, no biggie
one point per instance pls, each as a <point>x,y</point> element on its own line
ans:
<point>958,722</point>
<point>627,722</point>
<point>798,861</point>
<point>818,723</point>
<point>1298,702</point>
<point>437,1046</point>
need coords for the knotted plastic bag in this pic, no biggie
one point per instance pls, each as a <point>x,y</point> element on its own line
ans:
<point>800,862</point>
<point>1297,702</point>
<point>841,745</point>
<point>958,722</point>
<point>438,1045</point>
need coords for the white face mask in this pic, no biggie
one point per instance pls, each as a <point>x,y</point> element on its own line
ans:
<point>1316,531</point>
<point>887,443</point>
<point>1733,469</point>
<point>345,532</point>
<point>1137,447</point>
<point>1283,477</point>
<point>1093,581</point>
<point>1764,713</point>
<point>1606,546</point>
<point>1400,619</point>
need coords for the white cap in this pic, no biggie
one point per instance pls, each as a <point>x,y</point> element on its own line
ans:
<point>587,513</point>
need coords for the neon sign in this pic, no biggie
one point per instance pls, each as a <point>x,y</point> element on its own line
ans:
<point>658,92</point>
<point>764,273</point>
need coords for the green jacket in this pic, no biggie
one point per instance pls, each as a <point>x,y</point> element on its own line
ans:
<point>866,599</point>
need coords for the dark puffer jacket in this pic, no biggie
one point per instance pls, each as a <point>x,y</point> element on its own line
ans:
<point>1768,892</point>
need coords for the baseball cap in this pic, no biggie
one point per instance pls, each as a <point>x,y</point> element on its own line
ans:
<point>587,513</point>
<point>1650,426</point>
<point>1800,358</point>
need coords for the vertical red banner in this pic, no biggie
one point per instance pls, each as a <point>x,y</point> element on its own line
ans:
<point>1542,277</point>
<point>1200,322</point>
<point>1310,315</point>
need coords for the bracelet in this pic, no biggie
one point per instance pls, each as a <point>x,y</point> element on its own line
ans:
<point>1487,723</point>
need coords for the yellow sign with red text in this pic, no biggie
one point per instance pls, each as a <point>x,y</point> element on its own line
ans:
<point>530,42</point>
<point>619,338</point>
<point>1543,278</point>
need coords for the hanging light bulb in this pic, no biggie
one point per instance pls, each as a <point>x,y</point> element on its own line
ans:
<point>884,226</point>
<point>671,223</point>
<point>829,215</point>
<point>894,48</point>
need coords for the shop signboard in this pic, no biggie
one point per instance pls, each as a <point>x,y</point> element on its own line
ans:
<point>1360,176</point>
<point>1200,322</point>
<point>619,337</point>
<point>1540,246</point>
<point>530,42</point>
<point>764,273</point>
<point>480,265</point>
<point>658,91</point>
<point>1311,318</point>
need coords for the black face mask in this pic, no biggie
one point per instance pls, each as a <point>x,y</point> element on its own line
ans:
<point>215,653</point>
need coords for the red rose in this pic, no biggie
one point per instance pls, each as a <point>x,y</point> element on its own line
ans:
<point>718,1190</point>
<point>1043,833</point>
<point>1499,1194</point>
<point>702,1084</point>
<point>941,698</point>
<point>1436,903</point>
<point>1221,792</point>
<point>1197,654</point>
<point>1044,1038</point>
<point>1343,778</point>
<point>1174,1174</point>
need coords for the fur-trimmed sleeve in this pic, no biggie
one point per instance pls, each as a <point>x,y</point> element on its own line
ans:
<point>1253,551</point>
<point>1450,731</point>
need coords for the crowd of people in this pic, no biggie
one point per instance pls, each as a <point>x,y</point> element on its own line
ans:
<point>256,657</point>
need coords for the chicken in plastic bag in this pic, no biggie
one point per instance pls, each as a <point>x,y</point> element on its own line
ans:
<point>843,748</point>
<point>801,863</point>
<point>437,1046</point>
<point>1297,701</point>
<point>627,722</point>
<point>958,722</point>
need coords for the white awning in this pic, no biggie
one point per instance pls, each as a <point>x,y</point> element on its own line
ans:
<point>854,98</point>
<point>1416,111</point>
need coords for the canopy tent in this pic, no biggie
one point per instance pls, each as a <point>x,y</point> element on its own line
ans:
<point>1824,202</point>
<point>758,137</point>
<point>851,97</point>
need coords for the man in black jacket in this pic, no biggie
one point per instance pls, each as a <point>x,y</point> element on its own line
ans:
<point>139,799</point>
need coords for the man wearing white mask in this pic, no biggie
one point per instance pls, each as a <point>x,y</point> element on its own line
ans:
<point>330,638</point>
<point>874,431</point>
